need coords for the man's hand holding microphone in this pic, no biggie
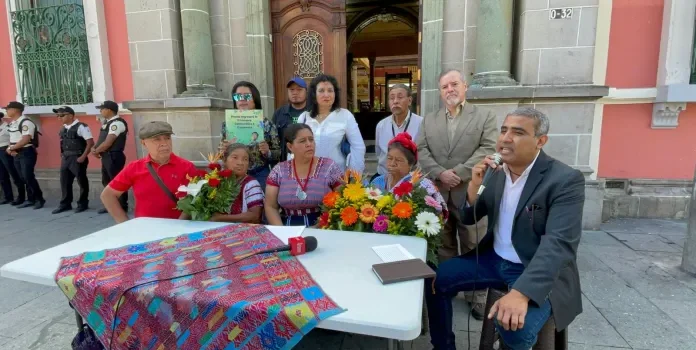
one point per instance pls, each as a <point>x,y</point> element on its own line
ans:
<point>480,174</point>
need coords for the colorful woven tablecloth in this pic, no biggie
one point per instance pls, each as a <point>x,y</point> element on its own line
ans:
<point>266,301</point>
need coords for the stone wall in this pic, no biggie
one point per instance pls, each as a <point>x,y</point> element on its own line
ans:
<point>228,30</point>
<point>156,49</point>
<point>459,35</point>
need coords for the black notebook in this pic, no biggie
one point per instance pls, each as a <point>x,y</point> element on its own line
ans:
<point>404,270</point>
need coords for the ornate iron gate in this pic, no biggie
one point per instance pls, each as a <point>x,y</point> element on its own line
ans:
<point>51,52</point>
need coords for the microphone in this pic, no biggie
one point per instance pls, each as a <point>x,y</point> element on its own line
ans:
<point>296,246</point>
<point>498,159</point>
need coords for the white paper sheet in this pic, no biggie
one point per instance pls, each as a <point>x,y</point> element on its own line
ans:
<point>285,232</point>
<point>392,252</point>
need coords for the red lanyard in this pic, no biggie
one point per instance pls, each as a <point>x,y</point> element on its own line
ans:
<point>303,187</point>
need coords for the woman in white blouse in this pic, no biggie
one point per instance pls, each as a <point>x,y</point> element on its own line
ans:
<point>332,124</point>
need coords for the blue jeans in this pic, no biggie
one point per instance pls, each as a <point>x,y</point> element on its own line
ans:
<point>457,275</point>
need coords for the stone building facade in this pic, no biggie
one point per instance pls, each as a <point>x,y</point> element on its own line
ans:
<point>589,64</point>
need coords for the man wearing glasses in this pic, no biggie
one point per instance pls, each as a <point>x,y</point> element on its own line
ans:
<point>401,120</point>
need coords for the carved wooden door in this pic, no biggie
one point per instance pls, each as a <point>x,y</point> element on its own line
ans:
<point>309,37</point>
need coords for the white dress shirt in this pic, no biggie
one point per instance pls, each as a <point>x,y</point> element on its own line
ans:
<point>28,128</point>
<point>387,130</point>
<point>117,127</point>
<point>83,131</point>
<point>4,134</point>
<point>502,242</point>
<point>329,134</point>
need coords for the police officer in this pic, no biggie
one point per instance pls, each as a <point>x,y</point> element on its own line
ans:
<point>24,139</point>
<point>7,168</point>
<point>110,146</point>
<point>75,144</point>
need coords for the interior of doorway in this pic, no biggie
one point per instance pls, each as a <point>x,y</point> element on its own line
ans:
<point>383,50</point>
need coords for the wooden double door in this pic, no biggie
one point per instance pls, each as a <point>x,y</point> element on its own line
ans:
<point>309,37</point>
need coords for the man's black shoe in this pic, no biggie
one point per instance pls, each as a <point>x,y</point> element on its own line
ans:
<point>6,201</point>
<point>80,209</point>
<point>102,211</point>
<point>60,210</point>
<point>26,205</point>
<point>477,311</point>
<point>39,204</point>
<point>17,202</point>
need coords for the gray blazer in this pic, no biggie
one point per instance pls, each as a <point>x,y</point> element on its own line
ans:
<point>475,138</point>
<point>545,234</point>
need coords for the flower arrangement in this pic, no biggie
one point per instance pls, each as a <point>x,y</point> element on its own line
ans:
<point>211,191</point>
<point>408,211</point>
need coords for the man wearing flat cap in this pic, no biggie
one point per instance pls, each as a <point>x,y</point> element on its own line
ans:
<point>111,145</point>
<point>155,179</point>
<point>76,141</point>
<point>24,139</point>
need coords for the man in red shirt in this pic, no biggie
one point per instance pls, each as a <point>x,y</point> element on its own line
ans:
<point>148,177</point>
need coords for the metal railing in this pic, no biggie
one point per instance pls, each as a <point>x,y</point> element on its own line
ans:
<point>51,52</point>
<point>693,59</point>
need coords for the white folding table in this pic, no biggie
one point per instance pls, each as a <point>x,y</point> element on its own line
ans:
<point>341,265</point>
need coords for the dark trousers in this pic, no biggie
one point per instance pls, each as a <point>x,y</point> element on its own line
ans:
<point>7,171</point>
<point>260,174</point>
<point>459,274</point>
<point>25,162</point>
<point>70,169</point>
<point>112,164</point>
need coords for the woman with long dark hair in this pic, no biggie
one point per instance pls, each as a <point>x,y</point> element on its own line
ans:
<point>332,125</point>
<point>264,153</point>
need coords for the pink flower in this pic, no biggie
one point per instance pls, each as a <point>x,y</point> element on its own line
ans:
<point>381,223</point>
<point>431,202</point>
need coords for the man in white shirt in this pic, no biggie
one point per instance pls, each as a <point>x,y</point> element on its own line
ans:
<point>76,142</point>
<point>401,120</point>
<point>24,138</point>
<point>110,147</point>
<point>534,207</point>
<point>7,168</point>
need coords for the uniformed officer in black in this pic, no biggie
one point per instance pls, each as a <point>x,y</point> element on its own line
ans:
<point>75,144</point>
<point>110,146</point>
<point>7,168</point>
<point>24,138</point>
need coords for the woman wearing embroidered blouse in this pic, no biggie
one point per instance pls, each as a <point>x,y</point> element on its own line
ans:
<point>299,185</point>
<point>263,154</point>
<point>402,156</point>
<point>248,206</point>
<point>331,124</point>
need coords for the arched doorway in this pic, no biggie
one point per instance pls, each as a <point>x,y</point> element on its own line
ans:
<point>383,49</point>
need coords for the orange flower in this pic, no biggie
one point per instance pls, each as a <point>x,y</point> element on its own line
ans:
<point>349,216</point>
<point>330,199</point>
<point>368,213</point>
<point>402,210</point>
<point>416,175</point>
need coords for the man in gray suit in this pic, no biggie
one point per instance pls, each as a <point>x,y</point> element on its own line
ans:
<point>451,141</point>
<point>534,204</point>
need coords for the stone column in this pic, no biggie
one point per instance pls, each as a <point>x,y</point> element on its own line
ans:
<point>258,28</point>
<point>689,255</point>
<point>98,46</point>
<point>494,43</point>
<point>431,55</point>
<point>198,49</point>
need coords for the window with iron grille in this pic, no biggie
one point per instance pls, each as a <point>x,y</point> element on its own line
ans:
<point>51,52</point>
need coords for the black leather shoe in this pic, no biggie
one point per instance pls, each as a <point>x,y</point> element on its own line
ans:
<point>102,211</point>
<point>17,202</point>
<point>60,210</point>
<point>6,201</point>
<point>477,311</point>
<point>39,204</point>
<point>80,209</point>
<point>26,205</point>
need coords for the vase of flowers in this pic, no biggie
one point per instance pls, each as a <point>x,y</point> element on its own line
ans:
<point>211,191</point>
<point>408,211</point>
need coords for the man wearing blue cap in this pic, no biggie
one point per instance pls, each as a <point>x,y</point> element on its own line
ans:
<point>288,113</point>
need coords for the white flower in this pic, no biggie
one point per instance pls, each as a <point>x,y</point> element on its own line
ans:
<point>428,223</point>
<point>192,188</point>
<point>373,193</point>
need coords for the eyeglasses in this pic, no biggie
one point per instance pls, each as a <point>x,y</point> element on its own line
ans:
<point>242,97</point>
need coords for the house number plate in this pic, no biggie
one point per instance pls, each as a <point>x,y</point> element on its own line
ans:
<point>562,13</point>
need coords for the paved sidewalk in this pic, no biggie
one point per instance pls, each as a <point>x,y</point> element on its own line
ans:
<point>634,295</point>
